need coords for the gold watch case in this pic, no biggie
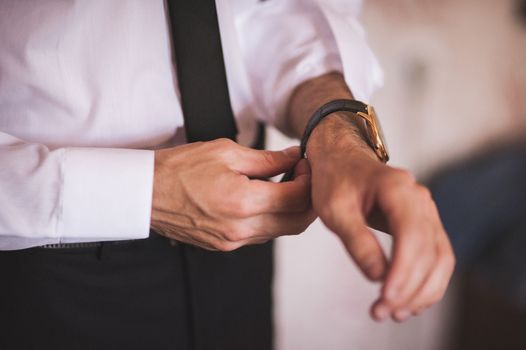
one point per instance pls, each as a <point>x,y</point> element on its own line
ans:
<point>374,133</point>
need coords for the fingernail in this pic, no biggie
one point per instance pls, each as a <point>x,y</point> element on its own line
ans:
<point>293,152</point>
<point>381,312</point>
<point>402,315</point>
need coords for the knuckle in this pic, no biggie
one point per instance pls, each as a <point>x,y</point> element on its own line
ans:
<point>242,207</point>
<point>226,148</point>
<point>231,236</point>
<point>223,142</point>
<point>225,246</point>
<point>236,233</point>
<point>424,192</point>
<point>405,176</point>
<point>400,177</point>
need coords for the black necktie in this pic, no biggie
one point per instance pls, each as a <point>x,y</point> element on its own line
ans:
<point>201,70</point>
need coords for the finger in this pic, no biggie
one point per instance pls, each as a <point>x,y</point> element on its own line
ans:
<point>359,241</point>
<point>282,197</point>
<point>271,226</point>
<point>419,281</point>
<point>379,311</point>
<point>415,278</point>
<point>263,163</point>
<point>413,250</point>
<point>262,228</point>
<point>435,286</point>
<point>415,224</point>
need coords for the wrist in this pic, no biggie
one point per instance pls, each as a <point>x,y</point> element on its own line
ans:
<point>338,134</point>
<point>162,201</point>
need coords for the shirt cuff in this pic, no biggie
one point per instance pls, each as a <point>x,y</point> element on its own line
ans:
<point>309,39</point>
<point>106,194</point>
<point>361,68</point>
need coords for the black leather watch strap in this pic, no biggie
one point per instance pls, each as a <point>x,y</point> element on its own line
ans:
<point>342,105</point>
<point>352,106</point>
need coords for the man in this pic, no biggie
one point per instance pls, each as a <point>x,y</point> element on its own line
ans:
<point>88,91</point>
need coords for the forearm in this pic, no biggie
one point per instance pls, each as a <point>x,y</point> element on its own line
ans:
<point>337,131</point>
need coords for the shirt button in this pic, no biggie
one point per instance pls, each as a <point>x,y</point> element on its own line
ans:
<point>173,242</point>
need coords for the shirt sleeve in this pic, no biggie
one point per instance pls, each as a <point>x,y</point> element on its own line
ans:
<point>71,195</point>
<point>286,42</point>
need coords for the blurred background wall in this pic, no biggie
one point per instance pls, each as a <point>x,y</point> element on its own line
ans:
<point>455,87</point>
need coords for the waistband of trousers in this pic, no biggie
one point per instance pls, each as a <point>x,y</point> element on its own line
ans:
<point>99,244</point>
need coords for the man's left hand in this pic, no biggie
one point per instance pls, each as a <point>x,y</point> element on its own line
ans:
<point>352,189</point>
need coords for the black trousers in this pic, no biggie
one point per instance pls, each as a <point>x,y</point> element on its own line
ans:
<point>145,294</point>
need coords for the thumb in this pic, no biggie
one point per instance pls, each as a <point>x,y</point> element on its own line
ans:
<point>256,163</point>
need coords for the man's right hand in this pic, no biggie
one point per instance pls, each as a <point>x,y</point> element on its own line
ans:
<point>208,194</point>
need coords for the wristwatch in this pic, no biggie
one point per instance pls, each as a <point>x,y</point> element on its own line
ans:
<point>373,131</point>
<point>367,122</point>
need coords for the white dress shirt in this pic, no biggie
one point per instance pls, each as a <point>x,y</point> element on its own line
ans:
<point>87,91</point>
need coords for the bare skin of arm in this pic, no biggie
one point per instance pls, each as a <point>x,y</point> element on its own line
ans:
<point>352,189</point>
